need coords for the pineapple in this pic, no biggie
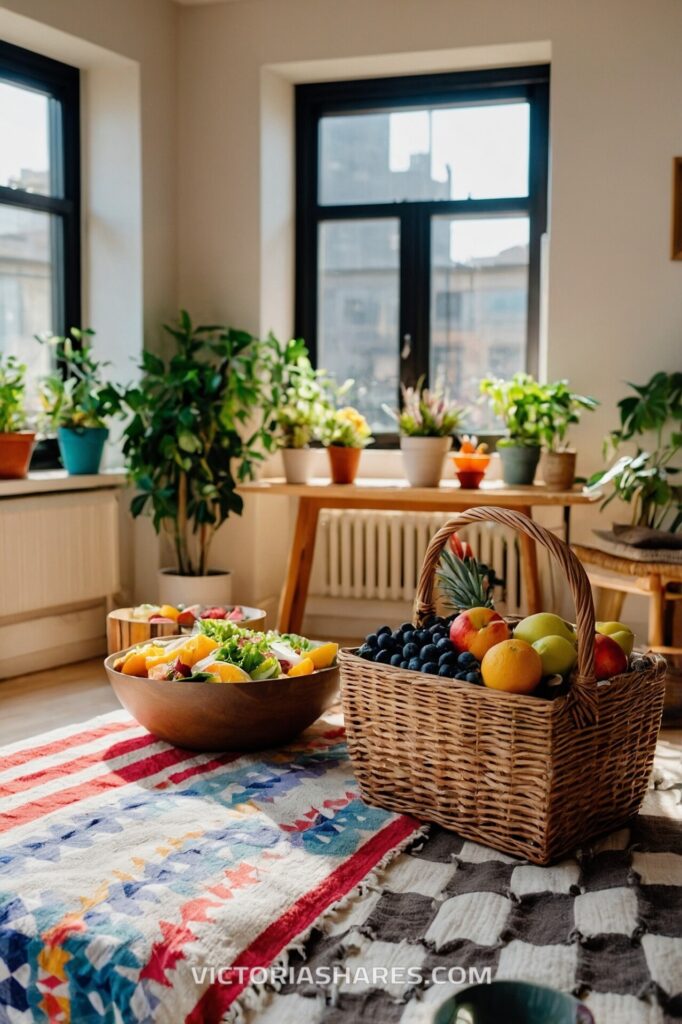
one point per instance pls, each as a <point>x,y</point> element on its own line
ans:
<point>465,582</point>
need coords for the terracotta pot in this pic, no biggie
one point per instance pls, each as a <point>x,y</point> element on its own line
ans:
<point>15,454</point>
<point>559,470</point>
<point>344,463</point>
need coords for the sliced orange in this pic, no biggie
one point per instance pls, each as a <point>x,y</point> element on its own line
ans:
<point>304,668</point>
<point>135,665</point>
<point>228,673</point>
<point>324,655</point>
<point>167,611</point>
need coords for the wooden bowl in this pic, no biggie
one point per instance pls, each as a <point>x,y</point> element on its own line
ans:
<point>225,716</point>
<point>124,631</point>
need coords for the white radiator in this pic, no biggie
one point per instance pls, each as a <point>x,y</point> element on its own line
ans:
<point>376,556</point>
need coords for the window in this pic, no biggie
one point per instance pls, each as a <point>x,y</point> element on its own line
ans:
<point>421,203</point>
<point>39,202</point>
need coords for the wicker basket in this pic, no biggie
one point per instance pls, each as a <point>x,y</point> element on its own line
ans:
<point>528,776</point>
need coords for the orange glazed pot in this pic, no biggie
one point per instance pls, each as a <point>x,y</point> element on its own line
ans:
<point>15,454</point>
<point>344,463</point>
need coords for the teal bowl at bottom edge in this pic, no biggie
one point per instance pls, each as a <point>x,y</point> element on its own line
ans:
<point>512,1002</point>
<point>81,448</point>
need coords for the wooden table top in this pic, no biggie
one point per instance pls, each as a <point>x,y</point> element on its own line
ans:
<point>449,494</point>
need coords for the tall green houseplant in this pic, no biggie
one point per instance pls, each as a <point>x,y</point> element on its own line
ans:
<point>200,423</point>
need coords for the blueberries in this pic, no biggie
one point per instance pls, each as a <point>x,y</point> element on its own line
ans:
<point>371,640</point>
<point>473,677</point>
<point>459,675</point>
<point>383,629</point>
<point>437,637</point>
<point>404,664</point>
<point>466,659</point>
<point>406,627</point>
<point>422,636</point>
<point>429,653</point>
<point>444,645</point>
<point>430,667</point>
<point>396,659</point>
<point>410,651</point>
<point>408,636</point>
<point>386,642</point>
<point>397,635</point>
<point>414,665</point>
<point>366,652</point>
<point>449,658</point>
<point>383,658</point>
<point>444,670</point>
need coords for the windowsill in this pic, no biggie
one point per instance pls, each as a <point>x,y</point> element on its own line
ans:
<point>48,481</point>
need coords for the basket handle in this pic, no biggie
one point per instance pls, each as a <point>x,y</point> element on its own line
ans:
<point>582,699</point>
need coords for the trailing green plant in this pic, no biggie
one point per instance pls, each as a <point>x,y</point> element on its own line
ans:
<point>12,391</point>
<point>562,407</point>
<point>300,394</point>
<point>76,395</point>
<point>520,402</point>
<point>645,480</point>
<point>201,422</point>
<point>425,412</point>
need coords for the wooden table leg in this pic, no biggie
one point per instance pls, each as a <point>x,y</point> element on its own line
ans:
<point>292,603</point>
<point>529,570</point>
<point>656,611</point>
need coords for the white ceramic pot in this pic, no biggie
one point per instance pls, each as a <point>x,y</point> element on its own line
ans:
<point>214,589</point>
<point>423,459</point>
<point>298,464</point>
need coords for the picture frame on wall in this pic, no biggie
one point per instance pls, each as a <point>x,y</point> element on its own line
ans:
<point>676,246</point>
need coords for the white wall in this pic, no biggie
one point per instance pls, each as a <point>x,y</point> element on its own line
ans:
<point>615,299</point>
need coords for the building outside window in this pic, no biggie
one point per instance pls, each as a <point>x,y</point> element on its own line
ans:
<point>424,200</point>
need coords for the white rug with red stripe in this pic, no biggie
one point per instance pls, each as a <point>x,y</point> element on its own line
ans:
<point>139,882</point>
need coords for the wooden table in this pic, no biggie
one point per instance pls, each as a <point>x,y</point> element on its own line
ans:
<point>397,495</point>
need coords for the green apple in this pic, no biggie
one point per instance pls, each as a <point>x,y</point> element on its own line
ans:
<point>535,627</point>
<point>623,635</point>
<point>558,655</point>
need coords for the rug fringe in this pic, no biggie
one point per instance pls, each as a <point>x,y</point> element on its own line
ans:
<point>254,997</point>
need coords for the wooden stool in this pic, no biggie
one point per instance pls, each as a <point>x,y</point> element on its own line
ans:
<point>648,579</point>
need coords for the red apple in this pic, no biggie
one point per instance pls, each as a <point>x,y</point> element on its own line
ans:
<point>477,630</point>
<point>188,616</point>
<point>609,657</point>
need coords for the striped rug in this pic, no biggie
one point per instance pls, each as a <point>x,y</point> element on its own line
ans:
<point>139,882</point>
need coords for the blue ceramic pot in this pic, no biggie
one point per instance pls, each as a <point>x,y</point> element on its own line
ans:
<point>512,1002</point>
<point>81,448</point>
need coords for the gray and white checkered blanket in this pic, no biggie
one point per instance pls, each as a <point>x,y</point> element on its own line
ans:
<point>605,925</point>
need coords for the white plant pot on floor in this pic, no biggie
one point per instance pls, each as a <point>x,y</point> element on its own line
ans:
<point>423,459</point>
<point>298,464</point>
<point>213,589</point>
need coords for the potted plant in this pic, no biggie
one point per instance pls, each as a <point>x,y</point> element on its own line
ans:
<point>300,400</point>
<point>562,408</point>
<point>646,480</point>
<point>345,433</point>
<point>519,402</point>
<point>426,423</point>
<point>16,444</point>
<point>77,401</point>
<point>191,438</point>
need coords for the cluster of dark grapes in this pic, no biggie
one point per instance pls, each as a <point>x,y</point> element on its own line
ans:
<point>428,649</point>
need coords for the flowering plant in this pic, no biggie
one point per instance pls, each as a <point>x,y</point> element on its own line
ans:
<point>425,412</point>
<point>346,428</point>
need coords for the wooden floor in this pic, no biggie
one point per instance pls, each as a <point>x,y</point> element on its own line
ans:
<point>30,705</point>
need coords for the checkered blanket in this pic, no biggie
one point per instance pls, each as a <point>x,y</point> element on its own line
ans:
<point>605,925</point>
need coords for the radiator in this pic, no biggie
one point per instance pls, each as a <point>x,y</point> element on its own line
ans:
<point>376,556</point>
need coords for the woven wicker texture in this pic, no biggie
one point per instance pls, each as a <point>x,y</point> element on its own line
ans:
<point>525,775</point>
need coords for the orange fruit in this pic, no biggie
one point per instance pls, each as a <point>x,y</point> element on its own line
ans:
<point>167,611</point>
<point>324,655</point>
<point>228,673</point>
<point>513,666</point>
<point>135,665</point>
<point>304,668</point>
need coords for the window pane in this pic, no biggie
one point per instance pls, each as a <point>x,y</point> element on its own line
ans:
<point>458,152</point>
<point>26,285</point>
<point>358,310</point>
<point>479,298</point>
<point>24,152</point>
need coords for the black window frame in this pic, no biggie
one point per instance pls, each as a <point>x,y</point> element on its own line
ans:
<point>317,100</point>
<point>61,83</point>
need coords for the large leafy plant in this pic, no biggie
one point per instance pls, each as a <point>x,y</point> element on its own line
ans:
<point>76,395</point>
<point>300,393</point>
<point>646,480</point>
<point>200,424</point>
<point>12,389</point>
<point>426,413</point>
